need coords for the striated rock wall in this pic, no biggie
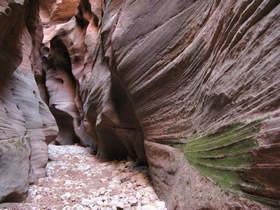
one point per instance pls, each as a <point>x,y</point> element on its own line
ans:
<point>190,87</point>
<point>194,82</point>
<point>191,71</point>
<point>26,124</point>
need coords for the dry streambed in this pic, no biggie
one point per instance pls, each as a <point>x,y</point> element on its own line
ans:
<point>77,180</point>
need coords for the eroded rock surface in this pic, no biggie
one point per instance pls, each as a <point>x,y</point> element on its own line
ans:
<point>188,71</point>
<point>26,124</point>
<point>189,87</point>
<point>64,56</point>
<point>14,172</point>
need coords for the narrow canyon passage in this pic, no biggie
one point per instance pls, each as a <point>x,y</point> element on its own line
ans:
<point>77,180</point>
<point>188,88</point>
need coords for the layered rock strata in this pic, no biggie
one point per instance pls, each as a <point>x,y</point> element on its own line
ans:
<point>193,72</point>
<point>26,124</point>
<point>190,87</point>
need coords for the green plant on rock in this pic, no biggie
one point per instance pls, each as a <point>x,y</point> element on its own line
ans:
<point>224,156</point>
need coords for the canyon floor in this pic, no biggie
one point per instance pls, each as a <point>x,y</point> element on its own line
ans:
<point>78,180</point>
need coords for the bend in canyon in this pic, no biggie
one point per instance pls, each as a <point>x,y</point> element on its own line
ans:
<point>190,88</point>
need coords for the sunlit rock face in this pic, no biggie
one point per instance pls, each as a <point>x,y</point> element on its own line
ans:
<point>26,124</point>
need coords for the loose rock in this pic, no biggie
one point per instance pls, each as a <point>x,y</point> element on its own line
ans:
<point>77,180</point>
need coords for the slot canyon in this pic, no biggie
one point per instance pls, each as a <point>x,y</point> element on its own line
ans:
<point>139,104</point>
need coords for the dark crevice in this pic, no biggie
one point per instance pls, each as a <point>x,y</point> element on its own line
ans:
<point>83,8</point>
<point>126,111</point>
<point>58,70</point>
<point>61,58</point>
<point>14,197</point>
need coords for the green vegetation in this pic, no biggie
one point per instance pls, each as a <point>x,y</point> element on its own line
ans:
<point>223,156</point>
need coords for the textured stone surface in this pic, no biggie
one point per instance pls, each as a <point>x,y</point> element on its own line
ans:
<point>186,69</point>
<point>171,72</point>
<point>64,54</point>
<point>24,116</point>
<point>23,113</point>
<point>14,161</point>
<point>109,111</point>
<point>183,187</point>
<point>156,80</point>
<point>78,180</point>
<point>11,16</point>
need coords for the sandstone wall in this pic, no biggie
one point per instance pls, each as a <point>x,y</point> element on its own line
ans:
<point>190,87</point>
<point>199,78</point>
<point>26,124</point>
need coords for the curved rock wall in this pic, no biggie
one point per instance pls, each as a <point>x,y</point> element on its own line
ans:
<point>187,79</point>
<point>26,124</point>
<point>190,87</point>
<point>12,14</point>
<point>64,55</point>
<point>188,71</point>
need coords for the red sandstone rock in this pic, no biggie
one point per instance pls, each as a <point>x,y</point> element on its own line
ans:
<point>189,68</point>
<point>26,124</point>
<point>166,71</point>
<point>65,56</point>
<point>123,74</point>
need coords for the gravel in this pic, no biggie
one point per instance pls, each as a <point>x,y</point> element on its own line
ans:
<point>77,180</point>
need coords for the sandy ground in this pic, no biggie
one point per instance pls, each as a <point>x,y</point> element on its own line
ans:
<point>77,180</point>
